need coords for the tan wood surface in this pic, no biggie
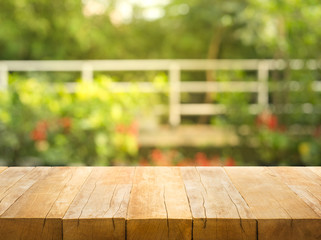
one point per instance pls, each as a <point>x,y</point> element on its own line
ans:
<point>2,169</point>
<point>9,177</point>
<point>158,207</point>
<point>99,210</point>
<point>258,203</point>
<point>304,182</point>
<point>219,211</point>
<point>16,190</point>
<point>316,170</point>
<point>37,214</point>
<point>281,213</point>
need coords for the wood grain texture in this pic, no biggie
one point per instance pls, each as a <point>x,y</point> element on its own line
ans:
<point>12,194</point>
<point>37,214</point>
<point>219,211</point>
<point>2,169</point>
<point>304,182</point>
<point>10,177</point>
<point>281,214</point>
<point>160,203</point>
<point>158,207</point>
<point>316,170</point>
<point>99,210</point>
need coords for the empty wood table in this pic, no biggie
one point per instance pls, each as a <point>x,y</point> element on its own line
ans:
<point>70,203</point>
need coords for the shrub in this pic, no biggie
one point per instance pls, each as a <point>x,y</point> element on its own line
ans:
<point>42,123</point>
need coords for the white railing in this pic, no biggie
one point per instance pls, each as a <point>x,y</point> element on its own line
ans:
<point>176,86</point>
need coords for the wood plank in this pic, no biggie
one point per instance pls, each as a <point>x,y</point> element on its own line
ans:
<point>37,214</point>
<point>316,170</point>
<point>281,214</point>
<point>99,210</point>
<point>10,177</point>
<point>21,186</point>
<point>219,211</point>
<point>158,207</point>
<point>304,182</point>
<point>185,135</point>
<point>2,169</point>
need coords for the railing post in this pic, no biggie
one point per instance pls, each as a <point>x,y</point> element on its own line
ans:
<point>174,95</point>
<point>87,73</point>
<point>263,88</point>
<point>3,77</point>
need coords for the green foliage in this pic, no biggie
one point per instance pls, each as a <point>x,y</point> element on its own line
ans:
<point>285,133</point>
<point>38,29</point>
<point>41,123</point>
<point>236,103</point>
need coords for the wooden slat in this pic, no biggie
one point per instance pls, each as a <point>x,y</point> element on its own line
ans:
<point>219,211</point>
<point>99,210</point>
<point>304,182</point>
<point>11,176</point>
<point>158,207</point>
<point>12,194</point>
<point>2,169</point>
<point>160,203</point>
<point>316,170</point>
<point>37,214</point>
<point>281,214</point>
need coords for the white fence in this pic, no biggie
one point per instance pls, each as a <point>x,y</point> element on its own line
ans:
<point>176,86</point>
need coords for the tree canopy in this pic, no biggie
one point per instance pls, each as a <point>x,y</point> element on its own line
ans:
<point>108,29</point>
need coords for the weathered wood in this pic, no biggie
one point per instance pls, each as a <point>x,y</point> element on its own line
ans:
<point>304,182</point>
<point>280,213</point>
<point>186,135</point>
<point>158,207</point>
<point>316,170</point>
<point>11,176</point>
<point>160,203</point>
<point>2,169</point>
<point>99,210</point>
<point>37,214</point>
<point>15,191</point>
<point>219,211</point>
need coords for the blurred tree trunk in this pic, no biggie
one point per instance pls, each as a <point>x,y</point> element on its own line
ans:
<point>213,53</point>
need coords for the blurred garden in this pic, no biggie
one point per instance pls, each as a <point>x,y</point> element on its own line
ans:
<point>42,122</point>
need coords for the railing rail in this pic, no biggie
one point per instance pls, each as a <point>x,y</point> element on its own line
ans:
<point>176,86</point>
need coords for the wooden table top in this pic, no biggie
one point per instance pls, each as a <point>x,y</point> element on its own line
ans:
<point>160,203</point>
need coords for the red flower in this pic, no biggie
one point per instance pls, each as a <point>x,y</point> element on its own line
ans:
<point>42,125</point>
<point>121,128</point>
<point>230,162</point>
<point>216,161</point>
<point>143,162</point>
<point>202,160</point>
<point>159,159</point>
<point>65,122</point>
<point>268,120</point>
<point>185,162</point>
<point>38,135</point>
<point>40,131</point>
<point>156,155</point>
<point>132,129</point>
